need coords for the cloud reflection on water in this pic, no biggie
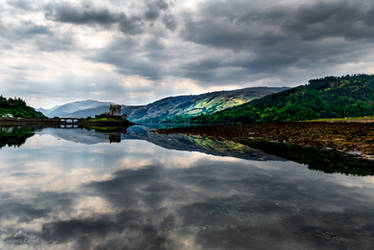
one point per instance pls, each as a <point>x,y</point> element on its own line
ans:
<point>135,195</point>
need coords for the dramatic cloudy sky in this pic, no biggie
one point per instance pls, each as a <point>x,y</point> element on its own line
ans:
<point>134,52</point>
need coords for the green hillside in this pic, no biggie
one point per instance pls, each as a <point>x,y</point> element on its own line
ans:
<point>181,108</point>
<point>329,97</point>
<point>18,108</point>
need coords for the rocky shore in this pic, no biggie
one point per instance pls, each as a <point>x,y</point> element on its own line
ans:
<point>354,138</point>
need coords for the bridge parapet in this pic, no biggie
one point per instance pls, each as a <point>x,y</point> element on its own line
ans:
<point>69,120</point>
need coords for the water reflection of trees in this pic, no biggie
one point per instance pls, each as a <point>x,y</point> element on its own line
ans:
<point>327,161</point>
<point>15,136</point>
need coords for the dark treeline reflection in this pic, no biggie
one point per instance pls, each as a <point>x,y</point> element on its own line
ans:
<point>327,161</point>
<point>72,189</point>
<point>15,136</point>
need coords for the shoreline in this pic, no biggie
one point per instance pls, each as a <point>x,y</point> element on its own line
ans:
<point>352,138</point>
<point>30,122</point>
<point>57,122</point>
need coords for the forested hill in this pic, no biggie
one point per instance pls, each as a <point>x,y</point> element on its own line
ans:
<point>329,97</point>
<point>180,108</point>
<point>18,108</point>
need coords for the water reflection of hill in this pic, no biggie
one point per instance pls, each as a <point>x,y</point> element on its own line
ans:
<point>199,144</point>
<point>320,160</point>
<point>176,142</point>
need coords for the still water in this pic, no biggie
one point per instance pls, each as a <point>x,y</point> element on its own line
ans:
<point>81,189</point>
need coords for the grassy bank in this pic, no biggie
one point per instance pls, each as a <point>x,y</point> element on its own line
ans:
<point>352,138</point>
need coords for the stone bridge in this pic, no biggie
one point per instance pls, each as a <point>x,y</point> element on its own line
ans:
<point>68,120</point>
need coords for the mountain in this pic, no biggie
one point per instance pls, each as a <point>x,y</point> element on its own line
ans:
<point>170,109</point>
<point>179,108</point>
<point>18,108</point>
<point>67,109</point>
<point>329,97</point>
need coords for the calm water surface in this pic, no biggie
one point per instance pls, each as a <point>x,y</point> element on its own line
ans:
<point>80,189</point>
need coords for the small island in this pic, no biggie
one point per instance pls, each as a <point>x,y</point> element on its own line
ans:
<point>113,118</point>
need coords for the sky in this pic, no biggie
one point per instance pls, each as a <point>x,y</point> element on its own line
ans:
<point>136,51</point>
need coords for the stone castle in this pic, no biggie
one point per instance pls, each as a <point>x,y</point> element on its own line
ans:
<point>115,111</point>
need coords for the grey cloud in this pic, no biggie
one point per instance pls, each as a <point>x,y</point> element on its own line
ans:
<point>274,40</point>
<point>83,15</point>
<point>152,14</point>
<point>90,15</point>
<point>29,29</point>
<point>154,9</point>
<point>312,22</point>
<point>39,34</point>
<point>161,4</point>
<point>132,25</point>
<point>56,43</point>
<point>221,35</point>
<point>24,30</point>
<point>215,70</point>
<point>132,58</point>
<point>217,43</point>
<point>346,19</point>
<point>169,22</point>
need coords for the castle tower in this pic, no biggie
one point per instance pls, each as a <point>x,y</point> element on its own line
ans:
<point>115,110</point>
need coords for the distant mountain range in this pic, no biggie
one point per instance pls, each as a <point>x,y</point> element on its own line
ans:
<point>166,109</point>
<point>67,109</point>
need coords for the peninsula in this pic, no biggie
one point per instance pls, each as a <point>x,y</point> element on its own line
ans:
<point>15,112</point>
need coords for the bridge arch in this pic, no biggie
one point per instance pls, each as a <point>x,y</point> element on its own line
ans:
<point>69,120</point>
